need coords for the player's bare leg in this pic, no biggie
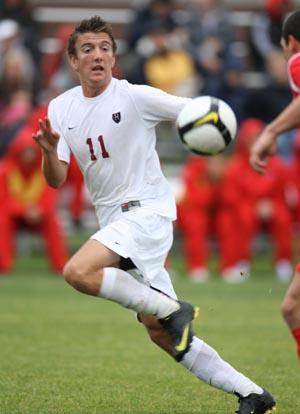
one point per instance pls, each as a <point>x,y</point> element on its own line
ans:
<point>157,333</point>
<point>290,308</point>
<point>84,271</point>
<point>91,271</point>
<point>204,362</point>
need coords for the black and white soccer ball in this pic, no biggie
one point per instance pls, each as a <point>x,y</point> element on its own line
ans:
<point>207,125</point>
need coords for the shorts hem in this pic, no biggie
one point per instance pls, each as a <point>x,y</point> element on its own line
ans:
<point>112,246</point>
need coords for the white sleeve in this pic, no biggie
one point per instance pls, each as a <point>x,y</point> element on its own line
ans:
<point>154,105</point>
<point>63,150</point>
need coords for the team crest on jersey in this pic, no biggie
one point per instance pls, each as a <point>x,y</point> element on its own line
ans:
<point>116,117</point>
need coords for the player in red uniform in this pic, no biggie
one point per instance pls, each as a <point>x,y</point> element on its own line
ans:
<point>261,201</point>
<point>265,148</point>
<point>192,217</point>
<point>205,208</point>
<point>26,200</point>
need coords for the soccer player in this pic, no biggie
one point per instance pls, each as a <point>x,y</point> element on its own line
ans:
<point>109,126</point>
<point>265,147</point>
<point>27,201</point>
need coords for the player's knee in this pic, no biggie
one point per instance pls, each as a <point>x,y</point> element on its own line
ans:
<point>75,276</point>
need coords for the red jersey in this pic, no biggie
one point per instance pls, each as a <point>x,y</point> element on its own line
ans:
<point>294,74</point>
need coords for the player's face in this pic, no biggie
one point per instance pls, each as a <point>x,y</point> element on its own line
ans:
<point>93,62</point>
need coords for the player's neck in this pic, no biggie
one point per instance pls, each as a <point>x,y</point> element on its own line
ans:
<point>91,90</point>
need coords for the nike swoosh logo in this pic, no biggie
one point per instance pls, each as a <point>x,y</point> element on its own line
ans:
<point>71,127</point>
<point>183,343</point>
<point>211,117</point>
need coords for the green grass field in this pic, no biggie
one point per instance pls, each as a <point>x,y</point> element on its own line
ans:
<point>65,353</point>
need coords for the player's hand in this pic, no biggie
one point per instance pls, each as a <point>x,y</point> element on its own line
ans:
<point>262,150</point>
<point>46,137</point>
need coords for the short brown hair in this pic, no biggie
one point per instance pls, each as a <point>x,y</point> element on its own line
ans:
<point>95,25</point>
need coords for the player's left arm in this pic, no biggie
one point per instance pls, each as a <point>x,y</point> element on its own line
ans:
<point>265,146</point>
<point>288,119</point>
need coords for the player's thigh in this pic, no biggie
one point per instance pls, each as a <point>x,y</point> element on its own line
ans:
<point>92,256</point>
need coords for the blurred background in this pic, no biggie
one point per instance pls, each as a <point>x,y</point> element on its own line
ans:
<point>62,352</point>
<point>227,214</point>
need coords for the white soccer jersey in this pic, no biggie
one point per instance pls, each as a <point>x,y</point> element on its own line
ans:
<point>112,137</point>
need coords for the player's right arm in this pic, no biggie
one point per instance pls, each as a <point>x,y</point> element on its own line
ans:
<point>265,146</point>
<point>55,170</point>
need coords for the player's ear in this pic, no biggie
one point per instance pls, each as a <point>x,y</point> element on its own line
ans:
<point>296,45</point>
<point>292,43</point>
<point>73,62</point>
<point>113,61</point>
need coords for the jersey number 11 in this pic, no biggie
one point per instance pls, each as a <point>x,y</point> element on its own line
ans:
<point>104,152</point>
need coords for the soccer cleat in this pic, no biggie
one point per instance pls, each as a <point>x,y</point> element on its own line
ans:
<point>179,327</point>
<point>256,404</point>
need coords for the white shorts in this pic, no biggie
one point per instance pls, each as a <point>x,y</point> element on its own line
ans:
<point>146,238</point>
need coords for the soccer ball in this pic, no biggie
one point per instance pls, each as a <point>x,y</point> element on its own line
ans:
<point>206,125</point>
